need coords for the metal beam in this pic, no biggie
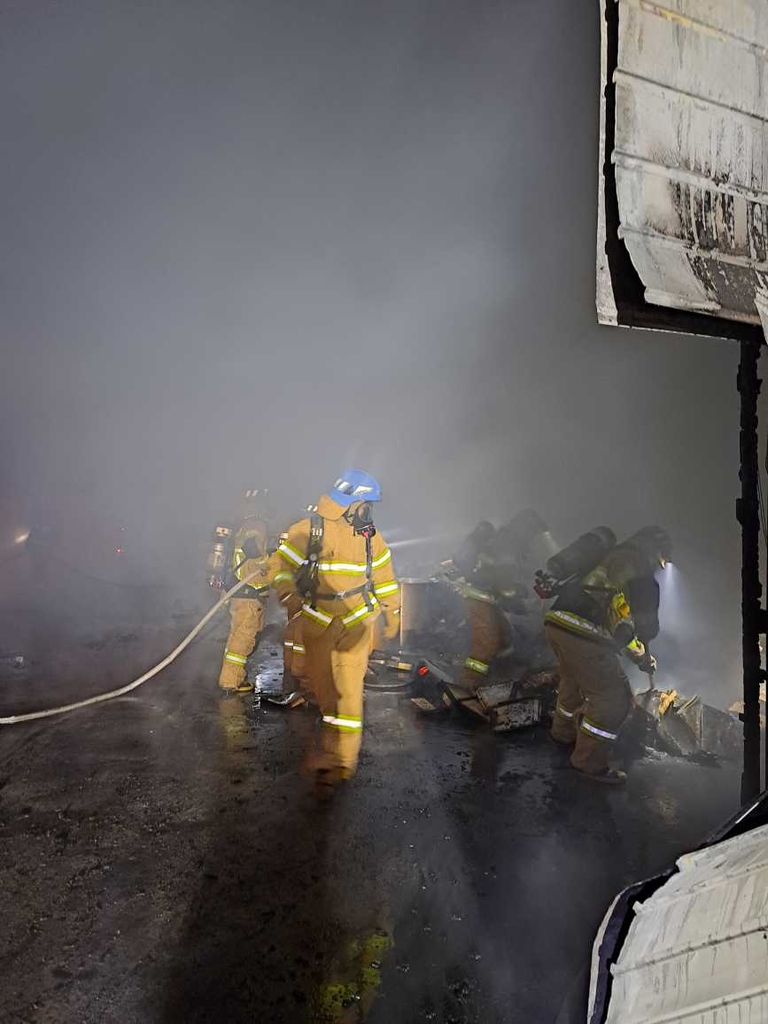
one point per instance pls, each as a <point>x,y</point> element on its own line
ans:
<point>748,514</point>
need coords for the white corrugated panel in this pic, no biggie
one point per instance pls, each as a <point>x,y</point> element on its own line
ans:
<point>697,950</point>
<point>691,150</point>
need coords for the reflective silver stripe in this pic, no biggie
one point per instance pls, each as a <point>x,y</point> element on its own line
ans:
<point>382,589</point>
<point>602,734</point>
<point>575,622</point>
<point>476,595</point>
<point>477,666</point>
<point>236,659</point>
<point>290,553</point>
<point>358,613</point>
<point>299,649</point>
<point>289,643</point>
<point>239,562</point>
<point>318,616</point>
<point>281,577</point>
<point>351,724</point>
<point>347,568</point>
<point>560,710</point>
<point>381,560</point>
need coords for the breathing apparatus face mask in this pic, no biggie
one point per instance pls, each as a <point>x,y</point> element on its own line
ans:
<point>361,519</point>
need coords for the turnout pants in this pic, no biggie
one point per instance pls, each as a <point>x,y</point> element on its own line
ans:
<point>246,621</point>
<point>294,670</point>
<point>488,634</point>
<point>336,660</point>
<point>593,700</point>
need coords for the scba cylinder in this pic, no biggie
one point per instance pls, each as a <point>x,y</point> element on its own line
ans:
<point>583,554</point>
<point>218,556</point>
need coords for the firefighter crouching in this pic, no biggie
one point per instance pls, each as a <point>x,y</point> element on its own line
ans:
<point>488,561</point>
<point>246,610</point>
<point>293,643</point>
<point>610,609</point>
<point>334,574</point>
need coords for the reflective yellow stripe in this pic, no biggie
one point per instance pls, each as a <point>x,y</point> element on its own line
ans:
<point>381,560</point>
<point>289,644</point>
<point>361,612</point>
<point>290,553</point>
<point>560,710</point>
<point>345,724</point>
<point>299,649</point>
<point>382,589</point>
<point>346,568</point>
<point>467,590</point>
<point>576,624</point>
<point>236,659</point>
<point>318,616</point>
<point>477,666</point>
<point>238,562</point>
<point>283,576</point>
<point>594,730</point>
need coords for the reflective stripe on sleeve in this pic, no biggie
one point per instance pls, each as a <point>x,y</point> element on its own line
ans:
<point>477,666</point>
<point>345,724</point>
<point>383,558</point>
<point>236,659</point>
<point>361,612</point>
<point>284,576</point>
<point>318,616</point>
<point>390,587</point>
<point>560,710</point>
<point>299,649</point>
<point>290,553</point>
<point>593,730</point>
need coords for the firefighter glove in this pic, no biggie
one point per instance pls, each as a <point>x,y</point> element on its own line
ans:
<point>647,663</point>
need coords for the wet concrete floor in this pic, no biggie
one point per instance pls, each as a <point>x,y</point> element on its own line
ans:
<point>163,861</point>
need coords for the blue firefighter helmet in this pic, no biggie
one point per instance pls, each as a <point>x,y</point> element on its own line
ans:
<point>355,485</point>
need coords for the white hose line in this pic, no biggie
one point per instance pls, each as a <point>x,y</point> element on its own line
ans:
<point>49,712</point>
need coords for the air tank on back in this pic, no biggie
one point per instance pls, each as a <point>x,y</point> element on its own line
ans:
<point>218,557</point>
<point>583,554</point>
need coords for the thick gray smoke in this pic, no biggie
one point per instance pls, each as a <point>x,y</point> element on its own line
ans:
<point>251,243</point>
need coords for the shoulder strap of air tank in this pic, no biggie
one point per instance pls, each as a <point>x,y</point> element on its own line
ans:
<point>316,534</point>
<point>368,572</point>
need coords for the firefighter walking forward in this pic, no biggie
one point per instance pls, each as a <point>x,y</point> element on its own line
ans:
<point>337,570</point>
<point>612,609</point>
<point>246,611</point>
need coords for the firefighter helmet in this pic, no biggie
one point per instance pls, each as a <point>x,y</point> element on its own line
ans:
<point>354,485</point>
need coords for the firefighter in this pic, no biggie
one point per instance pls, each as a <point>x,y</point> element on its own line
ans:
<point>609,610</point>
<point>335,568</point>
<point>294,674</point>
<point>488,561</point>
<point>248,554</point>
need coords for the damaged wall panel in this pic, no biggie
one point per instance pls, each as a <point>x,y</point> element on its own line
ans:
<point>684,191</point>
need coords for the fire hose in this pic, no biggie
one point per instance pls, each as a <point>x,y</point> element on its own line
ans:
<point>111,694</point>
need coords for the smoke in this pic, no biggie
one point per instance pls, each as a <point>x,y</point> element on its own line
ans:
<point>250,244</point>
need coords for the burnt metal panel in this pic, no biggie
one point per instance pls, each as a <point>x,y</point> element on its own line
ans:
<point>683,202</point>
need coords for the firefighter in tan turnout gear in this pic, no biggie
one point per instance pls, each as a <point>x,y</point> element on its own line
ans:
<point>598,615</point>
<point>335,571</point>
<point>489,561</point>
<point>248,554</point>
